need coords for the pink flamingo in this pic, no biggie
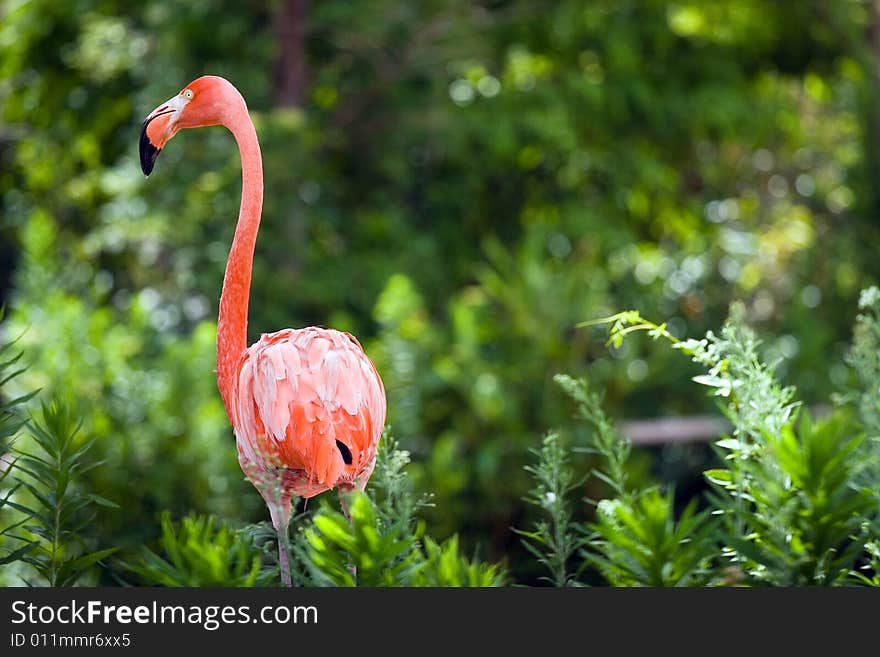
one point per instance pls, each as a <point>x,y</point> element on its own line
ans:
<point>307,405</point>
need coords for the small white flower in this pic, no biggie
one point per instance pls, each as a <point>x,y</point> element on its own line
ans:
<point>869,297</point>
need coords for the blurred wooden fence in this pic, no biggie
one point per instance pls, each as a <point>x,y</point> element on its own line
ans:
<point>658,431</point>
<point>692,429</point>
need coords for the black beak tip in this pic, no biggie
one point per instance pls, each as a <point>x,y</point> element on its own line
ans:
<point>148,152</point>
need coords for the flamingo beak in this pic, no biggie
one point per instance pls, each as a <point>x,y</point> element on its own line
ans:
<point>159,126</point>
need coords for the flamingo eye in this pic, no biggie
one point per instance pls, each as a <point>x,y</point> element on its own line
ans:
<point>188,94</point>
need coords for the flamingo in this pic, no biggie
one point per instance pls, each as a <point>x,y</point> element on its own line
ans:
<point>307,406</point>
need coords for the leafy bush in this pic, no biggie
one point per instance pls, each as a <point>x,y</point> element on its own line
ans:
<point>198,552</point>
<point>381,543</point>
<point>636,539</point>
<point>41,487</point>
<point>790,506</point>
<point>342,553</point>
<point>556,539</point>
<point>14,548</point>
<point>792,501</point>
<point>363,550</point>
<point>869,573</point>
<point>793,508</point>
<point>864,359</point>
<point>55,508</point>
<point>639,542</point>
<point>378,543</point>
<point>797,505</point>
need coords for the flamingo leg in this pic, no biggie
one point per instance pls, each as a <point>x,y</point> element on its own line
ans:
<point>278,502</point>
<point>343,502</point>
<point>283,557</point>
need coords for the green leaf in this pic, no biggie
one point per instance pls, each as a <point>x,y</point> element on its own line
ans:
<point>719,476</point>
<point>17,555</point>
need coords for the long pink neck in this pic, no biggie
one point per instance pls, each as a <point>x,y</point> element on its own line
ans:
<point>232,323</point>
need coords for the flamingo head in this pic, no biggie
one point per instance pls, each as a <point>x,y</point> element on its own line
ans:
<point>208,100</point>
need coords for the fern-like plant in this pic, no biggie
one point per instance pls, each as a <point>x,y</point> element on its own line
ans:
<point>556,538</point>
<point>868,573</point>
<point>56,510</point>
<point>361,550</point>
<point>444,565</point>
<point>13,547</point>
<point>358,550</point>
<point>382,543</point>
<point>793,497</point>
<point>637,540</point>
<point>864,358</point>
<point>804,510</point>
<point>199,551</point>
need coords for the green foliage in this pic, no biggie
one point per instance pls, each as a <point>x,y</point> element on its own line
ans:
<point>11,420</point>
<point>639,542</point>
<point>391,489</point>
<point>199,552</point>
<point>604,441</point>
<point>793,507</point>
<point>556,539</point>
<point>363,552</point>
<point>798,504</point>
<point>869,573</point>
<point>381,543</point>
<point>735,371</point>
<point>864,359</point>
<point>792,500</point>
<point>445,565</point>
<point>757,403</point>
<point>636,539</point>
<point>57,510</point>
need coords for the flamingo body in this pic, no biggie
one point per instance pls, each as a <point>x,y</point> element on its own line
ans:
<point>308,412</point>
<point>307,405</point>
